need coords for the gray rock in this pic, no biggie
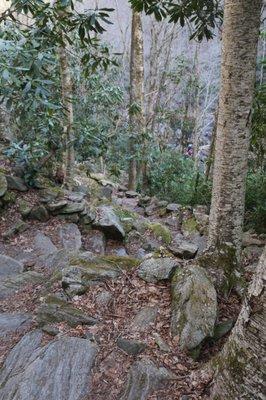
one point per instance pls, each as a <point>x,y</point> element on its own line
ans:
<point>13,283</point>
<point>130,346</point>
<point>131,194</point>
<point>71,218</point>
<point>19,227</point>
<point>144,201</point>
<point>145,317</point>
<point>76,279</point>
<point>59,370</point>
<point>16,183</point>
<point>194,306</point>
<point>76,196</point>
<point>51,329</point>
<point>13,323</point>
<point>184,250</point>
<point>9,266</point>
<point>43,244</point>
<point>163,346</point>
<point>157,269</point>
<point>144,377</point>
<point>3,185</point>
<point>58,310</point>
<point>106,192</point>
<point>107,221</point>
<point>55,261</point>
<point>72,208</point>
<point>70,237</point>
<point>173,207</point>
<point>54,206</point>
<point>39,213</point>
<point>103,298</point>
<point>96,242</point>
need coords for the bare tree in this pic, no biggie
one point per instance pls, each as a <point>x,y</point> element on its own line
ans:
<point>67,101</point>
<point>239,50</point>
<point>136,107</point>
<point>240,368</point>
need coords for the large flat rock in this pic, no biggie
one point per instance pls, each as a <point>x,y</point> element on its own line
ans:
<point>11,323</point>
<point>194,306</point>
<point>59,370</point>
<point>70,237</point>
<point>9,266</point>
<point>144,377</point>
<point>13,283</point>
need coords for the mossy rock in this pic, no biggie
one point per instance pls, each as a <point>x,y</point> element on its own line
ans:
<point>9,198</point>
<point>24,208</point>
<point>222,266</point>
<point>55,309</point>
<point>160,232</point>
<point>3,184</point>
<point>190,225</point>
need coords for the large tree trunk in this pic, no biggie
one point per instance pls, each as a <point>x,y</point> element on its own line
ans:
<point>239,49</point>
<point>240,368</point>
<point>67,101</point>
<point>136,107</point>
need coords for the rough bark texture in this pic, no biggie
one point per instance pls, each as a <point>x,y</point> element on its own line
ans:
<point>239,49</point>
<point>136,113</point>
<point>240,369</point>
<point>66,85</point>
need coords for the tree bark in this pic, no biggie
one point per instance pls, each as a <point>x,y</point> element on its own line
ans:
<point>136,107</point>
<point>240,368</point>
<point>67,101</point>
<point>239,50</point>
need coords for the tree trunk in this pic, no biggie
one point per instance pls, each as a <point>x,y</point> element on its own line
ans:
<point>67,101</point>
<point>136,107</point>
<point>239,49</point>
<point>240,368</point>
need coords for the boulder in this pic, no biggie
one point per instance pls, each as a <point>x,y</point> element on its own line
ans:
<point>157,269</point>
<point>131,194</point>
<point>194,306</point>
<point>39,213</point>
<point>43,244</point>
<point>9,266</point>
<point>81,273</point>
<point>24,208</point>
<point>55,309</point>
<point>163,346</point>
<point>95,242</point>
<point>173,207</point>
<point>144,318</point>
<point>60,370</point>
<point>13,283</point>
<point>184,250</point>
<point>76,196</point>
<point>3,185</point>
<point>106,192</point>
<point>131,346</point>
<point>72,208</point>
<point>70,237</point>
<point>107,221</point>
<point>103,298</point>
<point>144,377</point>
<point>55,261</point>
<point>16,183</point>
<point>55,206</point>
<point>13,323</point>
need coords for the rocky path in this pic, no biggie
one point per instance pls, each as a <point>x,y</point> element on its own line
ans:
<point>97,299</point>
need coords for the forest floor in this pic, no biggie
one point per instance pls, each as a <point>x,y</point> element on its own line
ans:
<point>128,294</point>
